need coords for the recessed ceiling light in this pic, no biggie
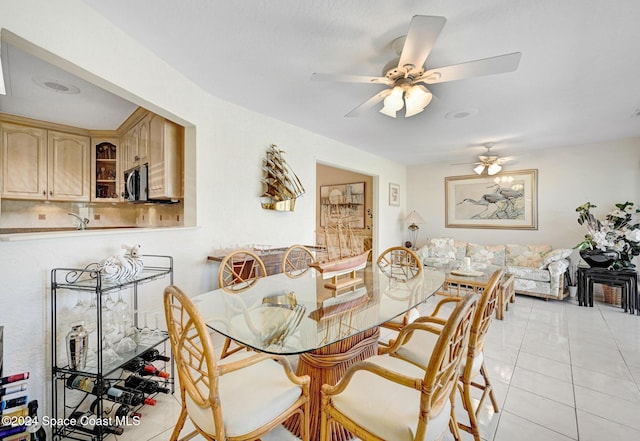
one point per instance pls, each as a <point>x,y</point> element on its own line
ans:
<point>56,85</point>
<point>462,113</point>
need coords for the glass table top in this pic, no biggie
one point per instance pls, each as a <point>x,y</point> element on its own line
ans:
<point>283,315</point>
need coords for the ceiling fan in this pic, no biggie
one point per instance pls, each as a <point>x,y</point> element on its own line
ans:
<point>405,79</point>
<point>489,161</point>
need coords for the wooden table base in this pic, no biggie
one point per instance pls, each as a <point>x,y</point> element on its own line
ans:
<point>327,366</point>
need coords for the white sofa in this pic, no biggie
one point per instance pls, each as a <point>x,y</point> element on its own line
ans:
<point>538,269</point>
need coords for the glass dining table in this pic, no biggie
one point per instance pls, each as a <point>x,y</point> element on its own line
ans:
<point>298,315</point>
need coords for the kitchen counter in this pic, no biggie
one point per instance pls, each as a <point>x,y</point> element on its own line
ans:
<point>54,229</point>
<point>18,234</point>
<point>271,257</point>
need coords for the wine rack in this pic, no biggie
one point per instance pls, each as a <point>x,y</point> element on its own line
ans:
<point>101,372</point>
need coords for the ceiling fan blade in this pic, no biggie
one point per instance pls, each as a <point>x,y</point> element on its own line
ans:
<point>467,163</point>
<point>369,103</point>
<point>506,159</point>
<point>422,35</point>
<point>477,68</point>
<point>350,78</point>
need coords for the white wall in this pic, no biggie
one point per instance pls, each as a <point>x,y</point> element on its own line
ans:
<point>603,174</point>
<point>225,148</point>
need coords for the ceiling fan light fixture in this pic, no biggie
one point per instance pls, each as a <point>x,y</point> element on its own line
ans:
<point>479,169</point>
<point>388,112</point>
<point>393,102</point>
<point>416,99</point>
<point>494,168</point>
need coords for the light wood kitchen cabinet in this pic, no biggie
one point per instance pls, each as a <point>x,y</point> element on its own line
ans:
<point>24,162</point>
<point>129,148</point>
<point>165,158</point>
<point>135,145</point>
<point>68,170</point>
<point>143,141</point>
<point>39,164</point>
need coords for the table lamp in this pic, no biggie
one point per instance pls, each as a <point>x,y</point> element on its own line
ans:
<point>413,219</point>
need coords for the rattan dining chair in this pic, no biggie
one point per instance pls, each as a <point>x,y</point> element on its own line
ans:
<point>296,260</point>
<point>239,271</point>
<point>402,264</point>
<point>241,398</point>
<point>388,398</point>
<point>414,347</point>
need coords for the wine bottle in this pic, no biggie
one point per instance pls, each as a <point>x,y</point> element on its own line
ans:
<point>132,398</point>
<point>14,378</point>
<point>87,384</point>
<point>12,389</point>
<point>150,369</point>
<point>153,355</point>
<point>6,404</point>
<point>35,429</point>
<point>139,366</point>
<point>11,430</point>
<point>113,410</point>
<point>15,413</point>
<point>147,386</point>
<point>134,365</point>
<point>89,422</point>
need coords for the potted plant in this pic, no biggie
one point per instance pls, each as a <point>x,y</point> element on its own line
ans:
<point>572,276</point>
<point>613,242</point>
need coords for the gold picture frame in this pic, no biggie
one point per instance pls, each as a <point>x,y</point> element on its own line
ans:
<point>508,200</point>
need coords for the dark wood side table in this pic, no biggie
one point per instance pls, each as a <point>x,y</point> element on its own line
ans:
<point>626,279</point>
<point>272,257</point>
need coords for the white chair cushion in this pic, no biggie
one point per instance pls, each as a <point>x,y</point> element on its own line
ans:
<point>418,350</point>
<point>388,409</point>
<point>250,397</point>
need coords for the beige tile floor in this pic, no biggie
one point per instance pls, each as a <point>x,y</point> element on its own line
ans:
<point>561,372</point>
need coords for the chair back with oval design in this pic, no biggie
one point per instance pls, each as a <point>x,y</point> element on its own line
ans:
<point>240,270</point>
<point>207,385</point>
<point>400,263</point>
<point>484,313</point>
<point>193,353</point>
<point>443,370</point>
<point>296,260</point>
<point>474,365</point>
<point>384,386</point>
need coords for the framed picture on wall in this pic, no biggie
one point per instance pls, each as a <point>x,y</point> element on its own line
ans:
<point>506,201</point>
<point>340,201</point>
<point>394,194</point>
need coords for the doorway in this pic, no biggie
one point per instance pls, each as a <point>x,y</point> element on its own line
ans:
<point>331,177</point>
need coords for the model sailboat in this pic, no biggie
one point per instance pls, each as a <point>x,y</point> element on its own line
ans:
<point>345,253</point>
<point>282,184</point>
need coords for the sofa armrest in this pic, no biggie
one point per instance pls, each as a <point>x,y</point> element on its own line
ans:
<point>556,271</point>
<point>558,267</point>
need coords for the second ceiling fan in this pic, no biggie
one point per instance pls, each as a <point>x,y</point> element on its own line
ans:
<point>406,80</point>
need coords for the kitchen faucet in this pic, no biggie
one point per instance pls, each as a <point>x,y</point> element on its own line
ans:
<point>82,222</point>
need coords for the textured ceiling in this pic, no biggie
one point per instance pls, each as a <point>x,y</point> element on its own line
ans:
<point>578,79</point>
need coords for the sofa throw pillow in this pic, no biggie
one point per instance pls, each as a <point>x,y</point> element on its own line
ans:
<point>461,249</point>
<point>442,247</point>
<point>423,253</point>
<point>526,255</point>
<point>554,256</point>
<point>486,254</point>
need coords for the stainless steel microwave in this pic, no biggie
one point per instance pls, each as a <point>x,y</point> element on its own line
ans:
<point>136,184</point>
